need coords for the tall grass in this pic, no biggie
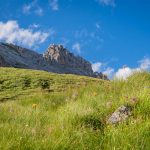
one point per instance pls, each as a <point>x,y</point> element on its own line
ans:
<point>71,112</point>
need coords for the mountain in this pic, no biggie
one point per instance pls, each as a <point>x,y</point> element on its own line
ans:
<point>56,59</point>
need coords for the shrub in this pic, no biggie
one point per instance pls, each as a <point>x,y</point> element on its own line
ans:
<point>44,84</point>
<point>26,82</point>
<point>92,121</point>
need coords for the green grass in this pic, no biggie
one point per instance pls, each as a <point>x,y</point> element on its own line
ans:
<point>47,111</point>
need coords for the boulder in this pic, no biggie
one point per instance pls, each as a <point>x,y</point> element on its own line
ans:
<point>120,115</point>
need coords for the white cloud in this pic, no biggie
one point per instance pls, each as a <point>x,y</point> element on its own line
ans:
<point>107,2</point>
<point>77,47</point>
<point>97,66</point>
<point>109,72</point>
<point>145,64</point>
<point>54,5</point>
<point>125,72</point>
<point>121,73</point>
<point>102,67</point>
<point>32,7</point>
<point>11,32</point>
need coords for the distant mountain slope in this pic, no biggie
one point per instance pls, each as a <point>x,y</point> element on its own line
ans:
<point>56,59</point>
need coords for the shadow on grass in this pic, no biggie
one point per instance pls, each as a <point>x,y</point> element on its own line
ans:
<point>92,122</point>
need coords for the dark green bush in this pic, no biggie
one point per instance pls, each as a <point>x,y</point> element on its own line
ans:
<point>44,84</point>
<point>26,82</point>
<point>92,121</point>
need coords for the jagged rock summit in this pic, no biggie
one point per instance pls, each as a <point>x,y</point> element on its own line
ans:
<point>56,59</point>
<point>57,54</point>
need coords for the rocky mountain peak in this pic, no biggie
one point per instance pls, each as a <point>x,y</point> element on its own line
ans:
<point>55,53</point>
<point>56,59</point>
<point>60,55</point>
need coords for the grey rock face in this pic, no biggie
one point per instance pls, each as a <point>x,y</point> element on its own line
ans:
<point>121,114</point>
<point>3,62</point>
<point>56,54</point>
<point>56,59</point>
<point>19,57</point>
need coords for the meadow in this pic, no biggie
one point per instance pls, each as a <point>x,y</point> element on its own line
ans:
<point>47,111</point>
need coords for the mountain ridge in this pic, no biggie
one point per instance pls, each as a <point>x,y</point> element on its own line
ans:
<point>56,59</point>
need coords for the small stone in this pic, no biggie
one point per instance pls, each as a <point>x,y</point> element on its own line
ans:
<point>121,114</point>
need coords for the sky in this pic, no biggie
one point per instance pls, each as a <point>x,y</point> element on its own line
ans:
<point>114,35</point>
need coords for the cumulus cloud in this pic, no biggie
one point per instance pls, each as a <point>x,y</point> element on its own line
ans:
<point>32,7</point>
<point>102,67</point>
<point>109,72</point>
<point>11,32</point>
<point>125,72</point>
<point>54,5</point>
<point>97,66</point>
<point>107,2</point>
<point>145,64</point>
<point>77,47</point>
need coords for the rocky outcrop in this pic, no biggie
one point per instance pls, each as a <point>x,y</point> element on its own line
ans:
<point>56,54</point>
<point>120,115</point>
<point>56,59</point>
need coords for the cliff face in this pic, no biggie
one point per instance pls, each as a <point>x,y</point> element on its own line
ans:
<point>56,59</point>
<point>60,56</point>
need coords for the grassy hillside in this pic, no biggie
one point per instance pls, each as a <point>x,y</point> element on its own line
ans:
<point>40,110</point>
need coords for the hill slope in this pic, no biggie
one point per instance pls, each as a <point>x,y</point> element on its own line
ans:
<point>41,110</point>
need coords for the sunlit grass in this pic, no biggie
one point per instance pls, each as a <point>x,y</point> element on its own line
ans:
<point>41,110</point>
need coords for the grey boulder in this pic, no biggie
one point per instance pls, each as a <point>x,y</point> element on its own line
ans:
<point>120,115</point>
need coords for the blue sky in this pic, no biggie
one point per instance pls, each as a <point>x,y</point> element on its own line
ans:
<point>108,33</point>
